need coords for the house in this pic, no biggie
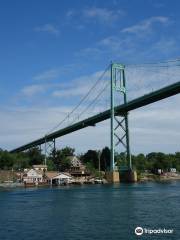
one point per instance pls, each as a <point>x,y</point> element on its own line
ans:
<point>77,168</point>
<point>63,178</point>
<point>56,178</point>
<point>40,167</point>
<point>49,175</point>
<point>75,162</point>
<point>33,176</point>
<point>173,170</point>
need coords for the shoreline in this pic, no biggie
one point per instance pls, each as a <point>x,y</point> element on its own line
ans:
<point>158,178</point>
<point>148,178</point>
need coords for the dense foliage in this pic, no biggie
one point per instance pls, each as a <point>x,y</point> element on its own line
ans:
<point>157,160</point>
<point>59,160</point>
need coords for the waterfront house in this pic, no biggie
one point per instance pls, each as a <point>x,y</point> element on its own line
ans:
<point>173,170</point>
<point>49,175</point>
<point>40,167</point>
<point>78,170</point>
<point>56,178</point>
<point>76,164</point>
<point>33,176</point>
<point>63,178</point>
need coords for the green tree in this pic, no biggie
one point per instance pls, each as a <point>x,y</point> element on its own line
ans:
<point>140,162</point>
<point>92,157</point>
<point>6,160</point>
<point>35,156</point>
<point>50,165</point>
<point>20,161</point>
<point>60,158</point>
<point>105,159</point>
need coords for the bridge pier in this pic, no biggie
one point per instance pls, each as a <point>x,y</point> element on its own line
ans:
<point>112,177</point>
<point>129,176</point>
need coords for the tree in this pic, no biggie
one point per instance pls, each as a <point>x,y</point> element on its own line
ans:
<point>6,160</point>
<point>20,161</point>
<point>140,161</point>
<point>176,160</point>
<point>65,164</point>
<point>50,165</point>
<point>92,157</point>
<point>60,158</point>
<point>35,156</point>
<point>120,159</point>
<point>105,159</point>
<point>160,160</point>
<point>68,151</point>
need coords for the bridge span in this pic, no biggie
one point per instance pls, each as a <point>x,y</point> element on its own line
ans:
<point>120,110</point>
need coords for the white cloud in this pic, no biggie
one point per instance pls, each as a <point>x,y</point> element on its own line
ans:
<point>56,72</point>
<point>145,25</point>
<point>47,75</point>
<point>156,127</point>
<point>165,45</point>
<point>97,14</point>
<point>103,15</point>
<point>92,52</point>
<point>152,128</point>
<point>72,88</point>
<point>32,90</point>
<point>113,42</point>
<point>71,92</point>
<point>134,48</point>
<point>28,123</point>
<point>134,43</point>
<point>80,86</point>
<point>70,13</point>
<point>112,47</point>
<point>49,28</point>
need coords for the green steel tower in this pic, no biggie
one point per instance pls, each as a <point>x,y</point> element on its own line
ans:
<point>119,123</point>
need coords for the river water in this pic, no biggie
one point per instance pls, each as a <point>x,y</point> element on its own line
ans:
<point>90,212</point>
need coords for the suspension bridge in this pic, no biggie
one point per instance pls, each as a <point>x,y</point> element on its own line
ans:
<point>112,86</point>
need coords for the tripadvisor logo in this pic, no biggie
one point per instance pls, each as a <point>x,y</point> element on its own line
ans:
<point>139,231</point>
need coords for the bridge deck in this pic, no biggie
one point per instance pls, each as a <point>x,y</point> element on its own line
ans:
<point>119,110</point>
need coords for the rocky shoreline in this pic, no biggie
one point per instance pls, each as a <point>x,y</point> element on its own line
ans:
<point>160,178</point>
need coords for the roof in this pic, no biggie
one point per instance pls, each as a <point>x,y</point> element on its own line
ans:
<point>51,174</point>
<point>75,161</point>
<point>37,172</point>
<point>67,173</point>
<point>40,166</point>
<point>56,175</point>
<point>62,175</point>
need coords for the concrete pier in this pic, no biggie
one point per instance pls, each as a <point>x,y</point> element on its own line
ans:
<point>128,176</point>
<point>112,177</point>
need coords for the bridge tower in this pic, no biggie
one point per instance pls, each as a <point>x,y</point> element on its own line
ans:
<point>49,147</point>
<point>119,123</point>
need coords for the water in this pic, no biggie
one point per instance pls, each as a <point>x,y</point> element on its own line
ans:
<point>90,212</point>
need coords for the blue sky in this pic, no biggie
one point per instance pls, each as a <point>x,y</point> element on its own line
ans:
<point>54,49</point>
